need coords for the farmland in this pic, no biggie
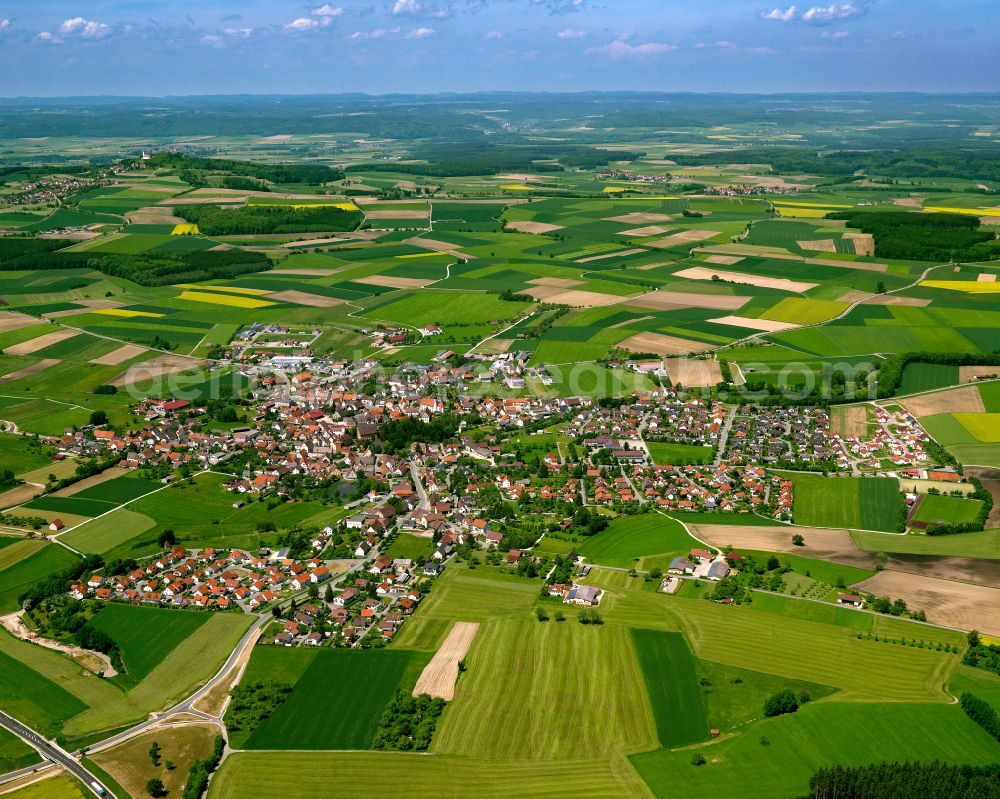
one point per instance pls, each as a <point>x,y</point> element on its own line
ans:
<point>346,712</point>
<point>464,333</point>
<point>640,538</point>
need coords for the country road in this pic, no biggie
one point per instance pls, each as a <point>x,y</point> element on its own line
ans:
<point>55,753</point>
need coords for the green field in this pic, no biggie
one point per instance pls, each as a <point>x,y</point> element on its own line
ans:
<point>19,456</point>
<point>340,692</point>
<point>985,544</point>
<point>15,753</point>
<point>669,672</point>
<point>58,787</point>
<point>146,636</point>
<point>584,692</point>
<point>818,735</point>
<point>853,502</point>
<point>19,577</point>
<point>666,454</point>
<point>632,538</point>
<point>357,775</point>
<point>940,509</point>
<point>411,547</point>
<point>919,377</point>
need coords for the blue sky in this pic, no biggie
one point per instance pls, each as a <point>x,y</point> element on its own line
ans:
<point>156,47</point>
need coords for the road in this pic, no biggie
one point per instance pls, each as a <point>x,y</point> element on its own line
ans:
<point>724,437</point>
<point>55,753</point>
<point>425,503</point>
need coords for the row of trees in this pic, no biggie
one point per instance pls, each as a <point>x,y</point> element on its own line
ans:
<point>215,221</point>
<point>906,781</point>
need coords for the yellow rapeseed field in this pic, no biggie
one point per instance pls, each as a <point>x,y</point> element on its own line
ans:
<point>185,229</point>
<point>943,209</point>
<point>804,213</point>
<point>126,313</point>
<point>224,299</point>
<point>968,286</point>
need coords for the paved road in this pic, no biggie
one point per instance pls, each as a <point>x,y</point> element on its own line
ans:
<point>724,437</point>
<point>55,753</point>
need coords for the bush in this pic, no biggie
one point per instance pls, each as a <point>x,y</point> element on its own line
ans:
<point>982,713</point>
<point>780,703</point>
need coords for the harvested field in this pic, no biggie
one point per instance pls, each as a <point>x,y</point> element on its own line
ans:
<point>819,245</point>
<point>964,570</point>
<point>19,494</point>
<point>89,482</point>
<point>909,202</point>
<point>986,277</point>
<point>660,300</point>
<point>826,544</point>
<point>701,273</point>
<point>394,282</point>
<point>849,420</point>
<point>864,243</point>
<point>41,342</point>
<point>120,355</point>
<point>33,369</point>
<point>574,298</point>
<point>725,260</point>
<point>341,239</point>
<point>969,607</point>
<point>897,299</point>
<point>424,214</point>
<point>651,230</point>
<point>606,255</point>
<point>525,226</point>
<point>190,199</point>
<point>439,676</point>
<point>431,244</point>
<point>855,296</point>
<point>967,374</point>
<point>558,282</point>
<point>966,399</point>
<point>640,218</point>
<point>152,215</point>
<point>767,325</point>
<point>659,344</point>
<point>308,272</point>
<point>153,368</point>
<point>683,237</point>
<point>305,298</point>
<point>15,321</point>
<point>692,373</point>
<point>865,267</point>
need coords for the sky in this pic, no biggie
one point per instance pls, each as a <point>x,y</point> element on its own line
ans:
<point>166,47</point>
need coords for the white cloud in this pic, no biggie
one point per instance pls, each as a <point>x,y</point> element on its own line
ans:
<point>327,11</point>
<point>780,15</point>
<point>302,24</point>
<point>493,35</point>
<point>834,35</point>
<point>420,33</point>
<point>238,33</point>
<point>51,38</point>
<point>4,24</point>
<point>620,49</point>
<point>824,15</point>
<point>87,28</point>
<point>730,47</point>
<point>212,39</point>
<point>571,33</point>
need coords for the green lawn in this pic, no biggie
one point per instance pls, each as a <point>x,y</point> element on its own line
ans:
<point>818,735</point>
<point>337,698</point>
<point>411,547</point>
<point>666,454</point>
<point>985,544</point>
<point>939,509</point>
<point>669,673</point>
<point>631,538</point>
<point>146,636</point>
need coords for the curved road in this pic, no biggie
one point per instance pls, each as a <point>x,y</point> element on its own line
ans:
<point>55,753</point>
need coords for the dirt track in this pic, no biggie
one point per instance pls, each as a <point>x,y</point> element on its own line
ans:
<point>439,676</point>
